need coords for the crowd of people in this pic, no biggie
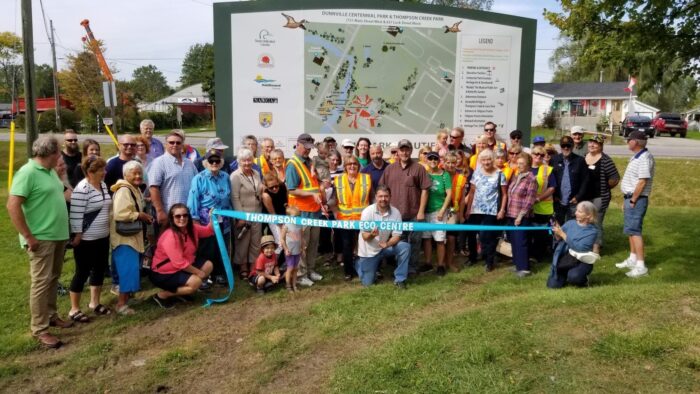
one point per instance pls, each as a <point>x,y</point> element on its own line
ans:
<point>150,208</point>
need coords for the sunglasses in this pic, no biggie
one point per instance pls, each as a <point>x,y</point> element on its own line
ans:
<point>140,145</point>
<point>128,145</point>
<point>175,142</point>
<point>214,161</point>
<point>538,154</point>
<point>71,140</point>
<point>513,153</point>
<point>181,216</point>
<point>487,130</point>
<point>516,138</point>
<point>393,152</point>
<point>274,187</point>
<point>352,164</point>
<point>455,136</point>
<point>433,159</point>
<point>566,146</point>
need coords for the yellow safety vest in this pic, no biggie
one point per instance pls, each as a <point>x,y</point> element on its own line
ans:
<point>263,164</point>
<point>546,206</point>
<point>351,202</point>
<point>307,182</point>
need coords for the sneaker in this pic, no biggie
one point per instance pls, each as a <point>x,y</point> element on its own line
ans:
<point>315,276</point>
<point>400,285</point>
<point>206,285</point>
<point>637,272</point>
<point>440,271</point>
<point>425,268</point>
<point>114,290</point>
<point>522,273</point>
<point>165,303</point>
<point>628,263</point>
<point>304,281</point>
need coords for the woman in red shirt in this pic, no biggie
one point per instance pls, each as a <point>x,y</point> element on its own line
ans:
<point>175,268</point>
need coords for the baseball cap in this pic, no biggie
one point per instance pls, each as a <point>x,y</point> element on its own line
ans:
<point>432,156</point>
<point>577,130</point>
<point>404,143</point>
<point>637,135</point>
<point>267,240</point>
<point>347,143</point>
<point>329,139</point>
<point>538,140</point>
<point>597,138</point>
<point>212,153</point>
<point>215,143</point>
<point>306,140</point>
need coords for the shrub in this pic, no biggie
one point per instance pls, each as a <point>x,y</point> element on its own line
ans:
<point>161,119</point>
<point>549,121</point>
<point>47,120</point>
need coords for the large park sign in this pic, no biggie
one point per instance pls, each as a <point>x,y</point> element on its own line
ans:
<point>377,69</point>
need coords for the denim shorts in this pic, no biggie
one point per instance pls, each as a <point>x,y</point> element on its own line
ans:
<point>634,217</point>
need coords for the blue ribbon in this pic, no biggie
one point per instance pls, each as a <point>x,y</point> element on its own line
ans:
<point>342,224</point>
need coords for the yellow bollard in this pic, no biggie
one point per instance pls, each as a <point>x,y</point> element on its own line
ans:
<point>112,135</point>
<point>11,164</point>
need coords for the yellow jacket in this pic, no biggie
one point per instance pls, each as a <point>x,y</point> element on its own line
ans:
<point>125,209</point>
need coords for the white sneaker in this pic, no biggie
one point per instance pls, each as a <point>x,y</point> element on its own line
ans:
<point>628,263</point>
<point>315,276</point>
<point>304,281</point>
<point>637,272</point>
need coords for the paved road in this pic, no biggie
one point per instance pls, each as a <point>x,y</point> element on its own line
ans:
<point>659,146</point>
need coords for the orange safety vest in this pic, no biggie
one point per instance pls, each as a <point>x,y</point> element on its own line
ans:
<point>351,202</point>
<point>546,206</point>
<point>307,182</point>
<point>263,164</point>
<point>458,183</point>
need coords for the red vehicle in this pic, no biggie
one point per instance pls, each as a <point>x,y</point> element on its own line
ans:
<point>670,123</point>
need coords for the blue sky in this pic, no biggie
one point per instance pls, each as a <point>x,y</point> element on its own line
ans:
<point>159,32</point>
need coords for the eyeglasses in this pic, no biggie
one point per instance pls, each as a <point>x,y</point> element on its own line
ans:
<point>182,216</point>
<point>487,130</point>
<point>538,154</point>
<point>128,145</point>
<point>71,140</point>
<point>214,161</point>
<point>566,146</point>
<point>352,164</point>
<point>393,152</point>
<point>513,153</point>
<point>424,153</point>
<point>516,138</point>
<point>175,142</point>
<point>274,187</point>
<point>140,145</point>
<point>455,136</point>
<point>434,159</point>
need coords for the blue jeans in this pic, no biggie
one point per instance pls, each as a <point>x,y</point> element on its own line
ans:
<point>519,243</point>
<point>634,217</point>
<point>367,266</point>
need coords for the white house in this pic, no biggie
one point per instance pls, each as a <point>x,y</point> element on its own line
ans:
<point>585,103</point>
<point>189,95</point>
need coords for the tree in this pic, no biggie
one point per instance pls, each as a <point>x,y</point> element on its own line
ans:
<point>10,69</point>
<point>640,33</point>
<point>43,80</point>
<point>81,83</point>
<point>149,84</point>
<point>198,67</point>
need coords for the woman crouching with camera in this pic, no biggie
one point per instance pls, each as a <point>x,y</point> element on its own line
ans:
<point>574,252</point>
<point>175,269</point>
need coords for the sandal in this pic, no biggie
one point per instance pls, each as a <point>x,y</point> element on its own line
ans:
<point>125,310</point>
<point>79,317</point>
<point>243,275</point>
<point>101,310</point>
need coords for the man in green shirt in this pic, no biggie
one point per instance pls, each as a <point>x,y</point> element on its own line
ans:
<point>37,209</point>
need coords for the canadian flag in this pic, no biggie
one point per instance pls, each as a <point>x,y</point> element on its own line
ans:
<point>633,81</point>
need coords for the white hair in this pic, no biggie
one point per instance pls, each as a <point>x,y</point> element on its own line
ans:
<point>244,153</point>
<point>130,166</point>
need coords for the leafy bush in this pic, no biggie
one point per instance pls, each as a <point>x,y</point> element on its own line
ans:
<point>161,119</point>
<point>47,120</point>
<point>549,121</point>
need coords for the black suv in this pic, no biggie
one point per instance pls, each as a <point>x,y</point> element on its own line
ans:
<point>641,123</point>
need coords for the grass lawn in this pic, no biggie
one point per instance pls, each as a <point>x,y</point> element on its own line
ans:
<point>466,332</point>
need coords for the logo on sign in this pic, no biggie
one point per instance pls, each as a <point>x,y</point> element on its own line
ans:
<point>265,61</point>
<point>268,83</point>
<point>265,38</point>
<point>265,100</point>
<point>265,119</point>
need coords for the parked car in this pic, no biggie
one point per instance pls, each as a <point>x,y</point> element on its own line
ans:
<point>641,123</point>
<point>670,123</point>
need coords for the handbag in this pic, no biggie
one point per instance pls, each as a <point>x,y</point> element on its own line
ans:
<point>504,247</point>
<point>451,217</point>
<point>129,228</point>
<point>567,262</point>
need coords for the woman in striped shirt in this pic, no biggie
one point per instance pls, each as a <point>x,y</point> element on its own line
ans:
<point>602,178</point>
<point>89,221</point>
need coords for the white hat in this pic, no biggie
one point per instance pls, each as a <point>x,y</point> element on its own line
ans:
<point>577,130</point>
<point>585,257</point>
<point>347,143</point>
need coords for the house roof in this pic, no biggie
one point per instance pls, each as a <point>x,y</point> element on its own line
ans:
<point>584,90</point>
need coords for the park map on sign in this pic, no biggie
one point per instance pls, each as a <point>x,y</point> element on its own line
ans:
<point>378,79</point>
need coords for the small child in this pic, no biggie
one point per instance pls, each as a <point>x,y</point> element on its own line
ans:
<point>441,146</point>
<point>291,239</point>
<point>266,268</point>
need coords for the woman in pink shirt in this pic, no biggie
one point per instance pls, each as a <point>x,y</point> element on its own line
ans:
<point>175,269</point>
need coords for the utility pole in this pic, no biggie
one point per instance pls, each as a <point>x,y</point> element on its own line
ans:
<point>56,92</point>
<point>29,93</point>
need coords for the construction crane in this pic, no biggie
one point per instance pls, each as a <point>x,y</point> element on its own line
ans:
<point>94,45</point>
